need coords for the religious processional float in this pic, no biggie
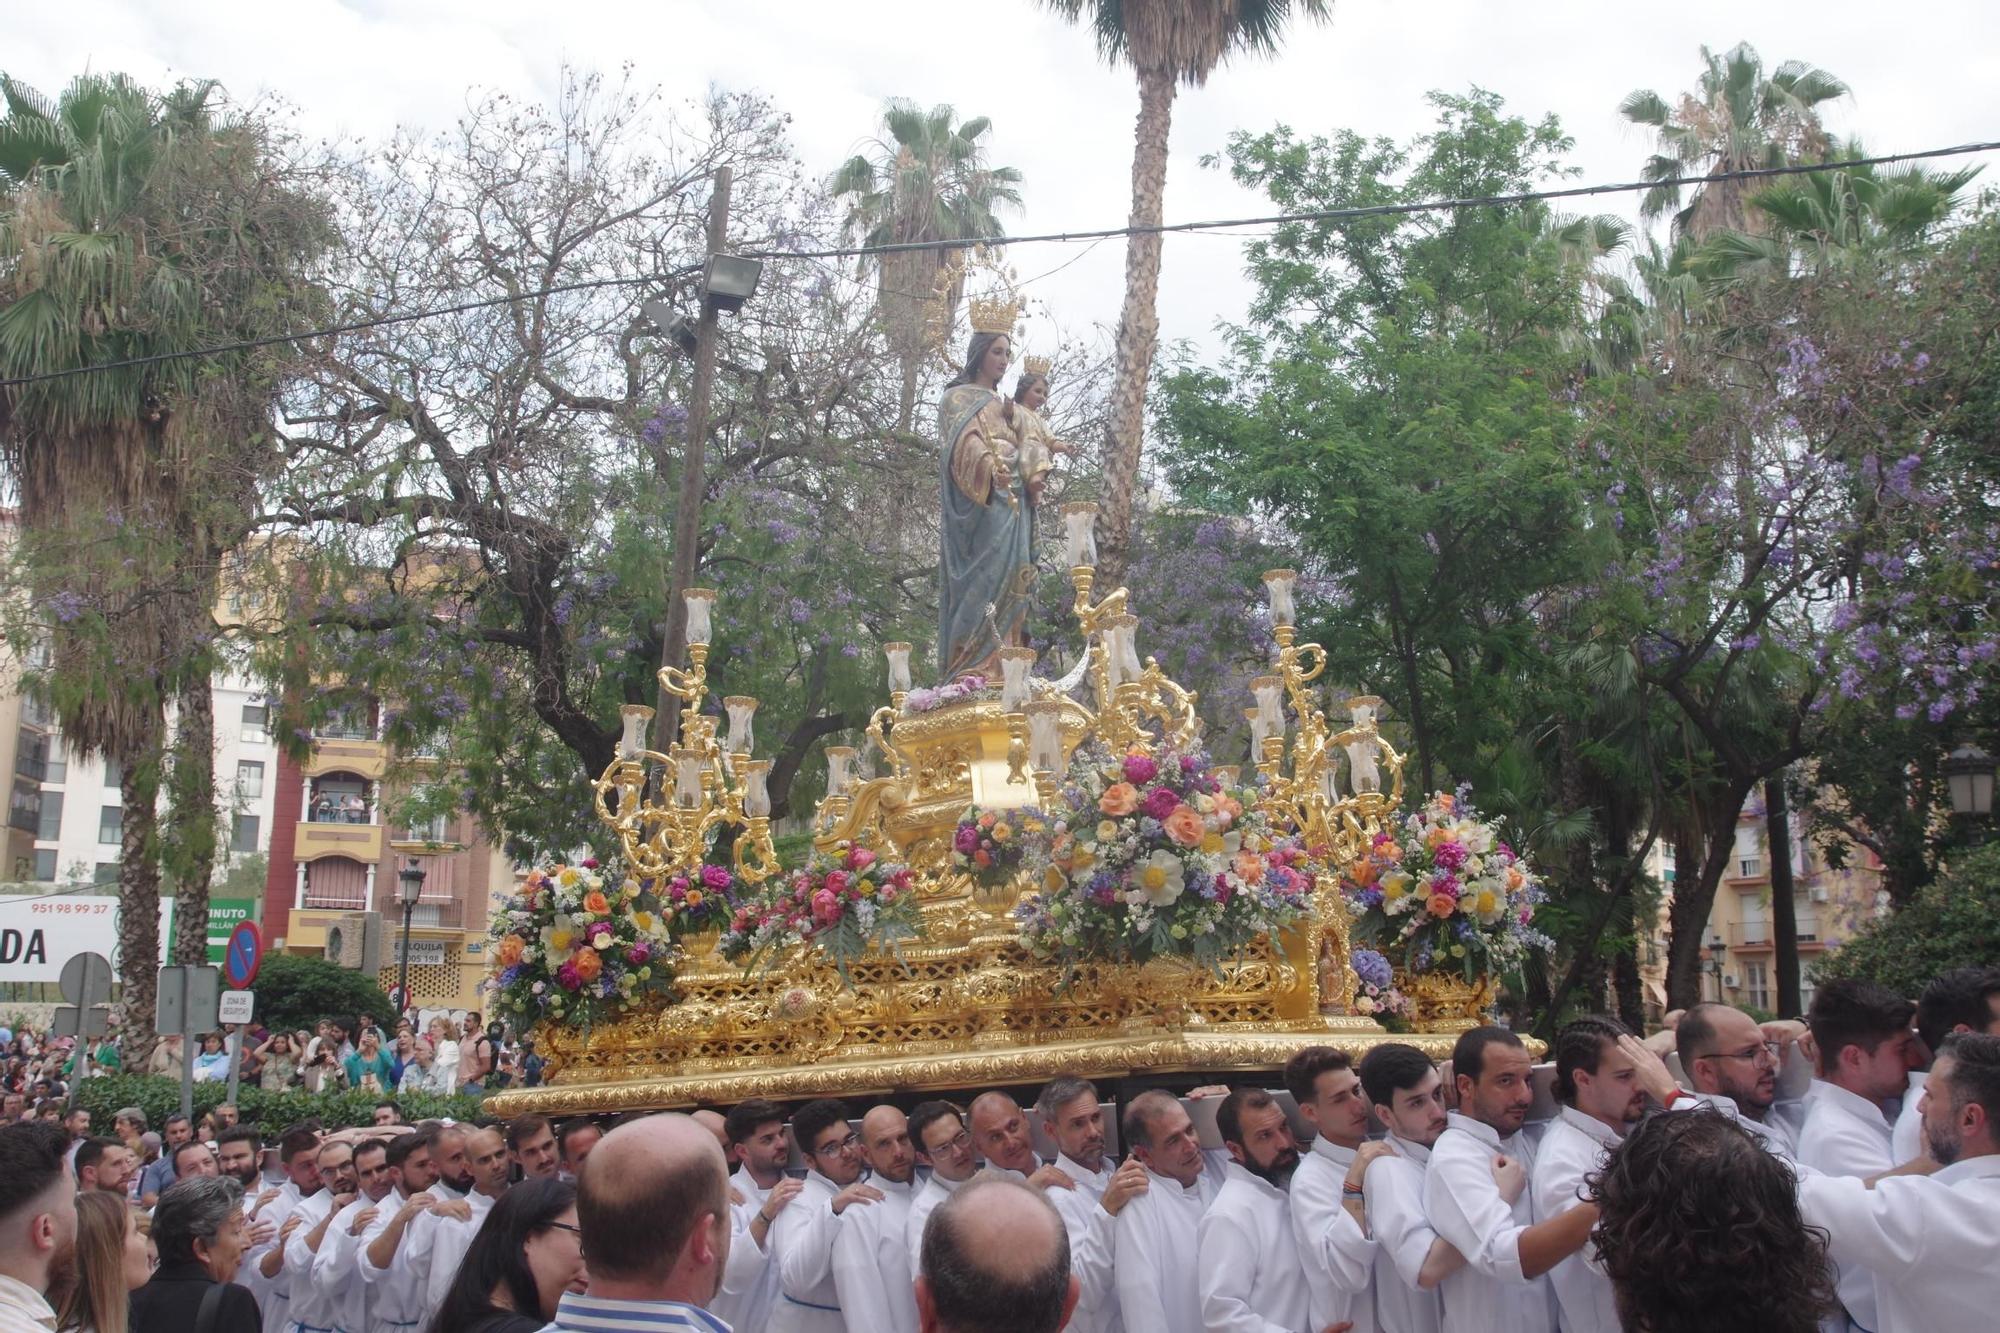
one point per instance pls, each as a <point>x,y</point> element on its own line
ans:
<point>1045,876</point>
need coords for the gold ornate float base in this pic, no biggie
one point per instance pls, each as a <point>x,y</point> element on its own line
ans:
<point>1445,1004</point>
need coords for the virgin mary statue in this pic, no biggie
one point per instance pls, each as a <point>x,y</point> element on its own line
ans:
<point>986,571</point>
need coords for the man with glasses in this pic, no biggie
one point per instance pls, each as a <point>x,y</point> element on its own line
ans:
<point>943,1143</point>
<point>1733,1068</point>
<point>802,1237</point>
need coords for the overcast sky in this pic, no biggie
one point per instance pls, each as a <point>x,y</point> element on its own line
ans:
<point>1923,76</point>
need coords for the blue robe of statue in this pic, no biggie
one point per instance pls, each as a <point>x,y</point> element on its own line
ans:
<point>986,545</point>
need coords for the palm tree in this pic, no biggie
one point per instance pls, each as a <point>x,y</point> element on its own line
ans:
<point>925,179</point>
<point>1739,121</point>
<point>1166,42</point>
<point>136,225</point>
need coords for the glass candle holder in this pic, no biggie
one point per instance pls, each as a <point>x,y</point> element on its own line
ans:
<point>899,666</point>
<point>839,769</point>
<point>1270,693</point>
<point>1014,665</point>
<point>687,777</point>
<point>633,742</point>
<point>741,709</point>
<point>1045,735</point>
<point>1080,534</point>
<point>756,792</point>
<point>1278,586</point>
<point>1127,629</point>
<point>700,604</point>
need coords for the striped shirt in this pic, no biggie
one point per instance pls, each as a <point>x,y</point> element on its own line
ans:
<point>595,1314</point>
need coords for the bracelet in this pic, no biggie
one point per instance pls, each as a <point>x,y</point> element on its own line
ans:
<point>1351,1191</point>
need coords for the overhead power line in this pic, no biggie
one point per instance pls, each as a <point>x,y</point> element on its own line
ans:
<point>1053,237</point>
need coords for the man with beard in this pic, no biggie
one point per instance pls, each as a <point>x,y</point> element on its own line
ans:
<point>1964,999</point>
<point>1251,1278</point>
<point>389,1262</point>
<point>1155,1247</point>
<point>943,1143</point>
<point>454,1175</point>
<point>1485,1213</point>
<point>311,1309</point>
<point>1929,1239</point>
<point>1403,1086</point>
<point>802,1239</point>
<point>871,1259</point>
<point>333,1274</point>
<point>1733,1067</point>
<point>37,1224</point>
<point>754,1137</point>
<point>298,1149</point>
<point>1326,1193</point>
<point>1071,1116</point>
<point>1603,1076</point>
<point>451,1236</point>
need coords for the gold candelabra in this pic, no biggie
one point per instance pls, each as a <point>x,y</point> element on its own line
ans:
<point>666,808</point>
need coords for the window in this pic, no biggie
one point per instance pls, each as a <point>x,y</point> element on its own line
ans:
<point>45,865</point>
<point>36,712</point>
<point>428,830</point>
<point>1805,914</point>
<point>106,873</point>
<point>1749,852</point>
<point>114,773</point>
<point>50,829</point>
<point>249,778</point>
<point>1757,985</point>
<point>110,825</point>
<point>255,719</point>
<point>1751,913</point>
<point>58,763</point>
<point>243,834</point>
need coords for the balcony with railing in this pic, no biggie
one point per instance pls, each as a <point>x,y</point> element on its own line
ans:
<point>313,840</point>
<point>335,885</point>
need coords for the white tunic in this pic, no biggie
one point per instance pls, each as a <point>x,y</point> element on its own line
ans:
<point>871,1262</point>
<point>310,1311</point>
<point>1574,1146</point>
<point>274,1294</point>
<point>399,1288</point>
<point>1845,1134</point>
<point>750,1279</point>
<point>1489,1294</point>
<point>445,1240</point>
<point>1773,1133</point>
<point>347,1300</point>
<point>1927,1239</point>
<point>1394,1190</point>
<point>1906,1140</point>
<point>1154,1248</point>
<point>1338,1260</point>
<point>1090,1241</point>
<point>929,1195</point>
<point>1251,1278</point>
<point>801,1242</point>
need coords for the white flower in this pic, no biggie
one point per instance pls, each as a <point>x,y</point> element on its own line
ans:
<point>1160,877</point>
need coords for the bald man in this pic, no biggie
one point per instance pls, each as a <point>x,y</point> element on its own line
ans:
<point>653,1207</point>
<point>995,1259</point>
<point>1000,1135</point>
<point>445,1237</point>
<point>871,1258</point>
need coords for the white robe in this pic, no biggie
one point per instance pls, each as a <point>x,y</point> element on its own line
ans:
<point>1251,1278</point>
<point>801,1243</point>
<point>1489,1294</point>
<point>929,1195</point>
<point>348,1301</point>
<point>1574,1146</point>
<point>309,1311</point>
<point>750,1279</point>
<point>1906,1140</point>
<point>1845,1134</point>
<point>871,1262</point>
<point>1338,1259</point>
<point>1773,1133</point>
<point>1090,1241</point>
<point>1155,1248</point>
<point>399,1288</point>
<point>1927,1239</point>
<point>445,1240</point>
<point>1394,1194</point>
<point>274,1294</point>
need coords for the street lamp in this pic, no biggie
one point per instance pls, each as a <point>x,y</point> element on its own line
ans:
<point>1717,947</point>
<point>409,887</point>
<point>1968,773</point>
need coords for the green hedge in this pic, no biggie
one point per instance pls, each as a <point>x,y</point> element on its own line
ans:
<point>1952,922</point>
<point>272,1112</point>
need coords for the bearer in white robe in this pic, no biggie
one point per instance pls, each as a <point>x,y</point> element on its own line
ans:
<point>1411,1260</point>
<point>1501,1289</point>
<point>1964,999</point>
<point>1732,1064</point>
<point>1929,1239</point>
<point>1251,1278</point>
<point>937,1129</point>
<point>1866,1050</point>
<point>1073,1119</point>
<point>1155,1240</point>
<point>871,1257</point>
<point>1603,1076</point>
<point>755,1138</point>
<point>1326,1192</point>
<point>445,1238</point>
<point>389,1264</point>
<point>299,1154</point>
<point>802,1239</point>
<point>333,1267</point>
<point>310,1311</point>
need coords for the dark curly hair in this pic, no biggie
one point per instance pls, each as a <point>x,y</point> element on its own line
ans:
<point>1699,1231</point>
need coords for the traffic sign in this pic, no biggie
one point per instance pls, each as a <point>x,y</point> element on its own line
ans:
<point>243,957</point>
<point>236,1006</point>
<point>186,1002</point>
<point>86,984</point>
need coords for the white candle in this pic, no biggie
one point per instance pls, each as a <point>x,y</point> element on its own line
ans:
<point>1080,534</point>
<point>1014,664</point>
<point>687,777</point>
<point>839,769</point>
<point>700,602</point>
<point>1270,692</point>
<point>1258,731</point>
<point>1045,735</point>
<point>756,795</point>
<point>1278,585</point>
<point>633,742</point>
<point>899,666</point>
<point>741,709</point>
<point>1107,643</point>
<point>1127,629</point>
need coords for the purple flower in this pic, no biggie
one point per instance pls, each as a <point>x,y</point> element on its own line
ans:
<point>1140,768</point>
<point>967,840</point>
<point>1371,967</point>
<point>1160,802</point>
<point>715,877</point>
<point>1449,855</point>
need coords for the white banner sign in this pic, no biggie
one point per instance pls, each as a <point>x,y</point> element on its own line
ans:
<point>41,932</point>
<point>423,953</point>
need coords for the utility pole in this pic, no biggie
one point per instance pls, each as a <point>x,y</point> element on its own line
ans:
<point>1784,911</point>
<point>687,513</point>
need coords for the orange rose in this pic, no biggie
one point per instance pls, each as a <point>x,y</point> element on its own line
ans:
<point>1442,904</point>
<point>587,964</point>
<point>509,950</point>
<point>1249,867</point>
<point>1230,807</point>
<point>1120,798</point>
<point>1365,873</point>
<point>596,902</point>
<point>1185,826</point>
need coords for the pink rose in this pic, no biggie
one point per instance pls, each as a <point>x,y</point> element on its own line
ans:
<point>825,907</point>
<point>715,877</point>
<point>836,883</point>
<point>567,977</point>
<point>1159,802</point>
<point>860,858</point>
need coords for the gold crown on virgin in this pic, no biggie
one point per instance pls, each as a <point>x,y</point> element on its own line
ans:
<point>993,314</point>
<point>1037,365</point>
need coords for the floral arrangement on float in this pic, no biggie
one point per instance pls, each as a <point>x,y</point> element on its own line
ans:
<point>1149,857</point>
<point>929,699</point>
<point>990,845</point>
<point>843,904</point>
<point>1443,893</point>
<point>566,948</point>
<point>699,901</point>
